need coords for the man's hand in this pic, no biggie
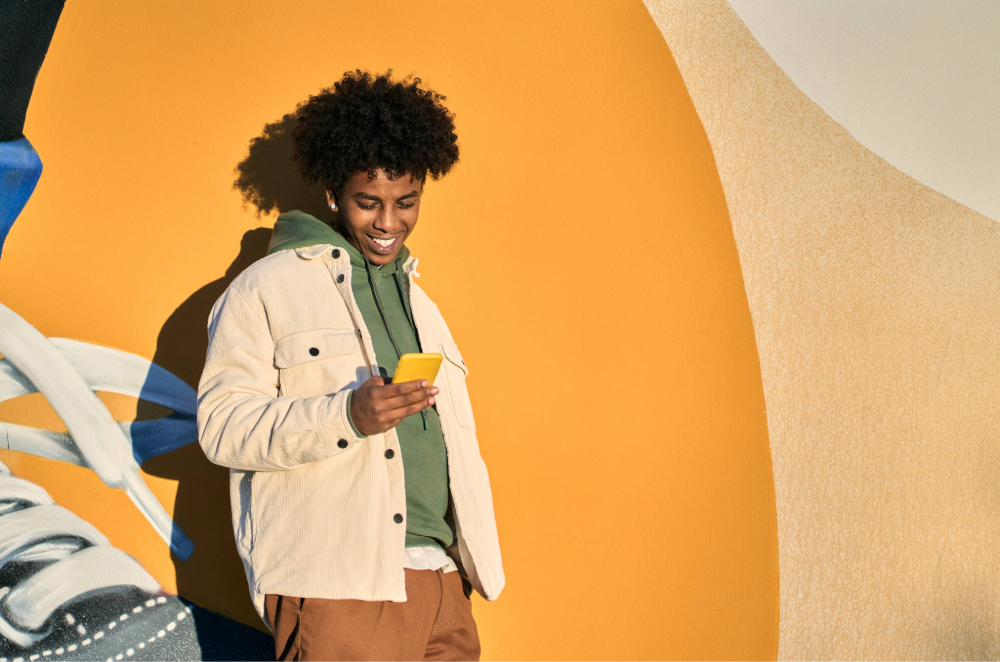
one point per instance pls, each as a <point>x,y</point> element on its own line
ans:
<point>377,406</point>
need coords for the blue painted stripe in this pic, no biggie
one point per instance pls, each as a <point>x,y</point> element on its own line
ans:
<point>20,169</point>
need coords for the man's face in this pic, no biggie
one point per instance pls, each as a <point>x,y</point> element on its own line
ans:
<point>377,216</point>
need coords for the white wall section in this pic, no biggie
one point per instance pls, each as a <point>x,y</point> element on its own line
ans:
<point>915,81</point>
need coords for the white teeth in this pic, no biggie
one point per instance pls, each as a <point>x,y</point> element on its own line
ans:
<point>385,243</point>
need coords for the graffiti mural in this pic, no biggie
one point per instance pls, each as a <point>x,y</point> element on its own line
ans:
<point>68,594</point>
<point>65,591</point>
<point>68,372</point>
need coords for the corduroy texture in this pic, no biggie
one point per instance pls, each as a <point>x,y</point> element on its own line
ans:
<point>315,507</point>
<point>386,316</point>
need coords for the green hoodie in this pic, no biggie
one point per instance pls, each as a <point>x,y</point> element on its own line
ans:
<point>425,460</point>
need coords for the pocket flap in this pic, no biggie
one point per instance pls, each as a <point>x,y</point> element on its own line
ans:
<point>450,351</point>
<point>314,345</point>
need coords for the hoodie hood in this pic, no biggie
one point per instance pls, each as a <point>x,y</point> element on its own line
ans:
<point>297,229</point>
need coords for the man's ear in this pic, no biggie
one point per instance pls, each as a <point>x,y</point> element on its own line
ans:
<point>331,198</point>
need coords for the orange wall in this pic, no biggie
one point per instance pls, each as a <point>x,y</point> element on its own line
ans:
<point>581,251</point>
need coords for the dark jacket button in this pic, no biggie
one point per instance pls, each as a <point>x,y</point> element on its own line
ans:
<point>336,253</point>
<point>397,518</point>
<point>340,278</point>
<point>342,443</point>
<point>389,454</point>
<point>314,351</point>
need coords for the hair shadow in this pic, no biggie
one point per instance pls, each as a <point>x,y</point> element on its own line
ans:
<point>268,179</point>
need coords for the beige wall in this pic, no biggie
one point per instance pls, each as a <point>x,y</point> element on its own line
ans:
<point>875,302</point>
<point>915,81</point>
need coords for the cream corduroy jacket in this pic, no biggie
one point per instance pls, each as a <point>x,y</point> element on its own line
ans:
<point>314,505</point>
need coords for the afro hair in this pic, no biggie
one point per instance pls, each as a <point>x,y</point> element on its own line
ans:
<point>369,122</point>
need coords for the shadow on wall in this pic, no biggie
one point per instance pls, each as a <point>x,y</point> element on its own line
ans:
<point>269,181</point>
<point>213,576</point>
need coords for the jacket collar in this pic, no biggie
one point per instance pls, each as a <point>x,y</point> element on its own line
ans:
<point>312,252</point>
<point>315,251</point>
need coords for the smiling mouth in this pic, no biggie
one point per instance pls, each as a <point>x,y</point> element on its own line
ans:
<point>383,245</point>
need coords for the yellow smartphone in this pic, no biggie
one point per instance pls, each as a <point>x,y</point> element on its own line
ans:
<point>417,366</point>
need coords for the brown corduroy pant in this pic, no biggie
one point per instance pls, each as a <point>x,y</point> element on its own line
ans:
<point>435,623</point>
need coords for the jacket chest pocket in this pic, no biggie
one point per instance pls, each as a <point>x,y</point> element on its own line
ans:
<point>318,361</point>
<point>455,372</point>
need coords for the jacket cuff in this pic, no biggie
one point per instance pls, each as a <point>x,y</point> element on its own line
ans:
<point>350,394</point>
<point>339,431</point>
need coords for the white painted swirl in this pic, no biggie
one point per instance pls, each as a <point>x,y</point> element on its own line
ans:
<point>97,439</point>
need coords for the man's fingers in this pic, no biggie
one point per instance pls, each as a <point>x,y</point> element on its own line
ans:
<point>391,404</point>
<point>420,406</point>
<point>410,398</point>
<point>397,415</point>
<point>393,390</point>
<point>412,406</point>
<point>382,406</point>
<point>398,395</point>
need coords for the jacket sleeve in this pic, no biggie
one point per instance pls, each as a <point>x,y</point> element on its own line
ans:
<point>242,423</point>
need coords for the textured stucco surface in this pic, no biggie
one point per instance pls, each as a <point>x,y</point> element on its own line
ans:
<point>875,302</point>
<point>915,81</point>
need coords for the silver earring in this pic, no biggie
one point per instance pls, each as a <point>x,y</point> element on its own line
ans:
<point>334,206</point>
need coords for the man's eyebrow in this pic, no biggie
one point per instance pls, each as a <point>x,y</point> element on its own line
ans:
<point>411,194</point>
<point>367,196</point>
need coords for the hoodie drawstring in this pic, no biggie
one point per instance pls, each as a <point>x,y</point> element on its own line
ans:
<point>388,328</point>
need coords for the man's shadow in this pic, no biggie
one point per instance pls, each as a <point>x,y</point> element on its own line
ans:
<point>213,576</point>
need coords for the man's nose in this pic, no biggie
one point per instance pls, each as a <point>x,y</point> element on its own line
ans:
<point>387,221</point>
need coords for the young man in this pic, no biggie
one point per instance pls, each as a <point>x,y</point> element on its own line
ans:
<point>362,509</point>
